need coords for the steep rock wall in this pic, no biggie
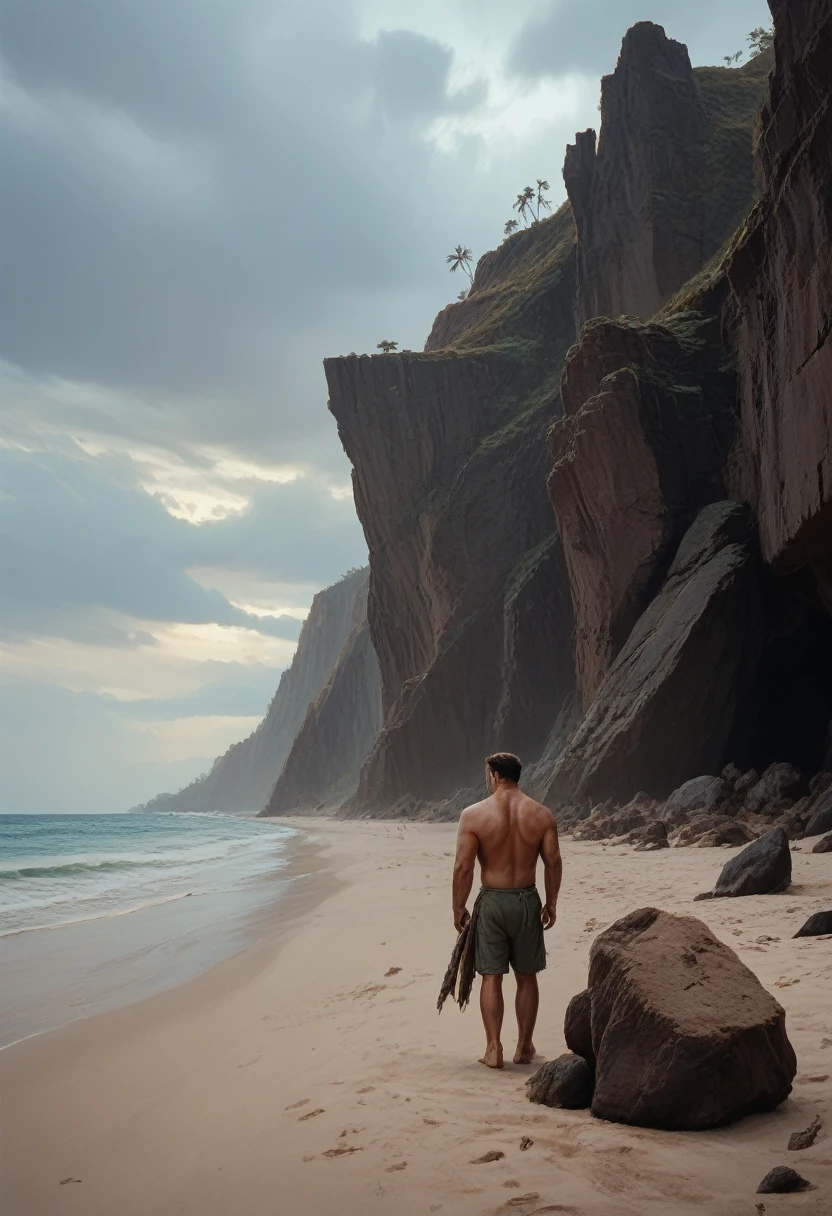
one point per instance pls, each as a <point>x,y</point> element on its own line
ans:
<point>243,777</point>
<point>670,179</point>
<point>781,279</point>
<point>449,478</point>
<point>341,724</point>
<point>665,710</point>
<point>648,423</point>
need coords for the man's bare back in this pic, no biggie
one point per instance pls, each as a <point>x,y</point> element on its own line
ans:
<point>510,829</point>
<point>507,833</point>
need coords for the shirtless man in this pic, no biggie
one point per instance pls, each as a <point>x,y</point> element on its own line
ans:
<point>507,833</point>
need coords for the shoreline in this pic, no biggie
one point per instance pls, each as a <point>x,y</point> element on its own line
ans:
<point>312,1071</point>
<point>90,940</point>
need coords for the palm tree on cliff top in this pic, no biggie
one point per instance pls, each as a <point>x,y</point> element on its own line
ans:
<point>523,203</point>
<point>461,257</point>
<point>542,187</point>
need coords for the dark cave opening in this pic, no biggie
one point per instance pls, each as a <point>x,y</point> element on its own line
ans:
<point>788,710</point>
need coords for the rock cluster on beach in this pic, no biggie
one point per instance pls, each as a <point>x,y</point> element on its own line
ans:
<point>731,809</point>
<point>676,1032</point>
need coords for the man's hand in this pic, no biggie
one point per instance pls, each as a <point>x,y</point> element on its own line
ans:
<point>548,915</point>
<point>461,918</point>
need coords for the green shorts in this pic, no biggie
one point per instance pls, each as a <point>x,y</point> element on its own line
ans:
<point>509,932</point>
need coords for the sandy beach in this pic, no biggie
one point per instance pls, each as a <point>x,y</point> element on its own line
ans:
<point>314,1074</point>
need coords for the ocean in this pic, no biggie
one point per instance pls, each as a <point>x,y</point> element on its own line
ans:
<point>98,910</point>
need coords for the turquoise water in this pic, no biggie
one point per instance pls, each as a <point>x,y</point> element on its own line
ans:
<point>97,910</point>
<point>60,869</point>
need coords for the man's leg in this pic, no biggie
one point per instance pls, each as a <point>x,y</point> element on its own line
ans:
<point>525,1006</point>
<point>491,1008</point>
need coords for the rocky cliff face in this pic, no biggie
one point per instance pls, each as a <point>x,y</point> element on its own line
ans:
<point>781,279</point>
<point>689,437</point>
<point>341,724</point>
<point>243,778</point>
<point>468,607</point>
<point>714,665</point>
<point>670,179</point>
<point>668,704</point>
<point>648,423</point>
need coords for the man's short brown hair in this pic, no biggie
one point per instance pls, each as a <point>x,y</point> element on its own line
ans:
<point>505,765</point>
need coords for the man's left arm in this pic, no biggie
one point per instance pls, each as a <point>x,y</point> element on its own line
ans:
<point>466,856</point>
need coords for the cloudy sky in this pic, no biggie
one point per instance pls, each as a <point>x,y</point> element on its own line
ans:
<point>199,201</point>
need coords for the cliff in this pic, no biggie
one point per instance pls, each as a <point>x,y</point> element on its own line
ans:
<point>496,619</point>
<point>243,778</point>
<point>671,178</point>
<point>468,606</point>
<point>340,726</point>
<point>780,274</point>
<point>725,654</point>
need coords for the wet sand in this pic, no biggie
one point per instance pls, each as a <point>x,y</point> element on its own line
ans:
<point>314,1074</point>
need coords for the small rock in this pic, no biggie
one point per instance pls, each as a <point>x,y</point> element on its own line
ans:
<point>746,782</point>
<point>566,1082</point>
<point>820,821</point>
<point>779,787</point>
<point>820,783</point>
<point>701,794</point>
<point>816,926</point>
<point>782,1180</point>
<point>763,868</point>
<point>824,845</point>
<point>493,1155</point>
<point>526,1143</point>
<point>807,1138</point>
<point>731,774</point>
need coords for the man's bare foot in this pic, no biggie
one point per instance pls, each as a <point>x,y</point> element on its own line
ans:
<point>493,1057</point>
<point>524,1055</point>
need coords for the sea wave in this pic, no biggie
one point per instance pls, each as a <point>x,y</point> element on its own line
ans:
<point>68,869</point>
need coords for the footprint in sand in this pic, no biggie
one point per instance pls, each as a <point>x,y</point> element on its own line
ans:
<point>393,1169</point>
<point>368,1089</point>
<point>392,971</point>
<point>311,1114</point>
<point>66,1181</point>
<point>495,1154</point>
<point>298,1105</point>
<point>519,1201</point>
<point>342,1151</point>
<point>249,1063</point>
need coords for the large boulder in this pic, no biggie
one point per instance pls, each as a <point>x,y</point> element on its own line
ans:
<point>699,795</point>
<point>665,709</point>
<point>820,820</point>
<point>685,1036</point>
<point>566,1082</point>
<point>780,786</point>
<point>764,868</point>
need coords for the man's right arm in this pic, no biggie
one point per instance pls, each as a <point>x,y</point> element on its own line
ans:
<point>553,872</point>
<point>466,856</point>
